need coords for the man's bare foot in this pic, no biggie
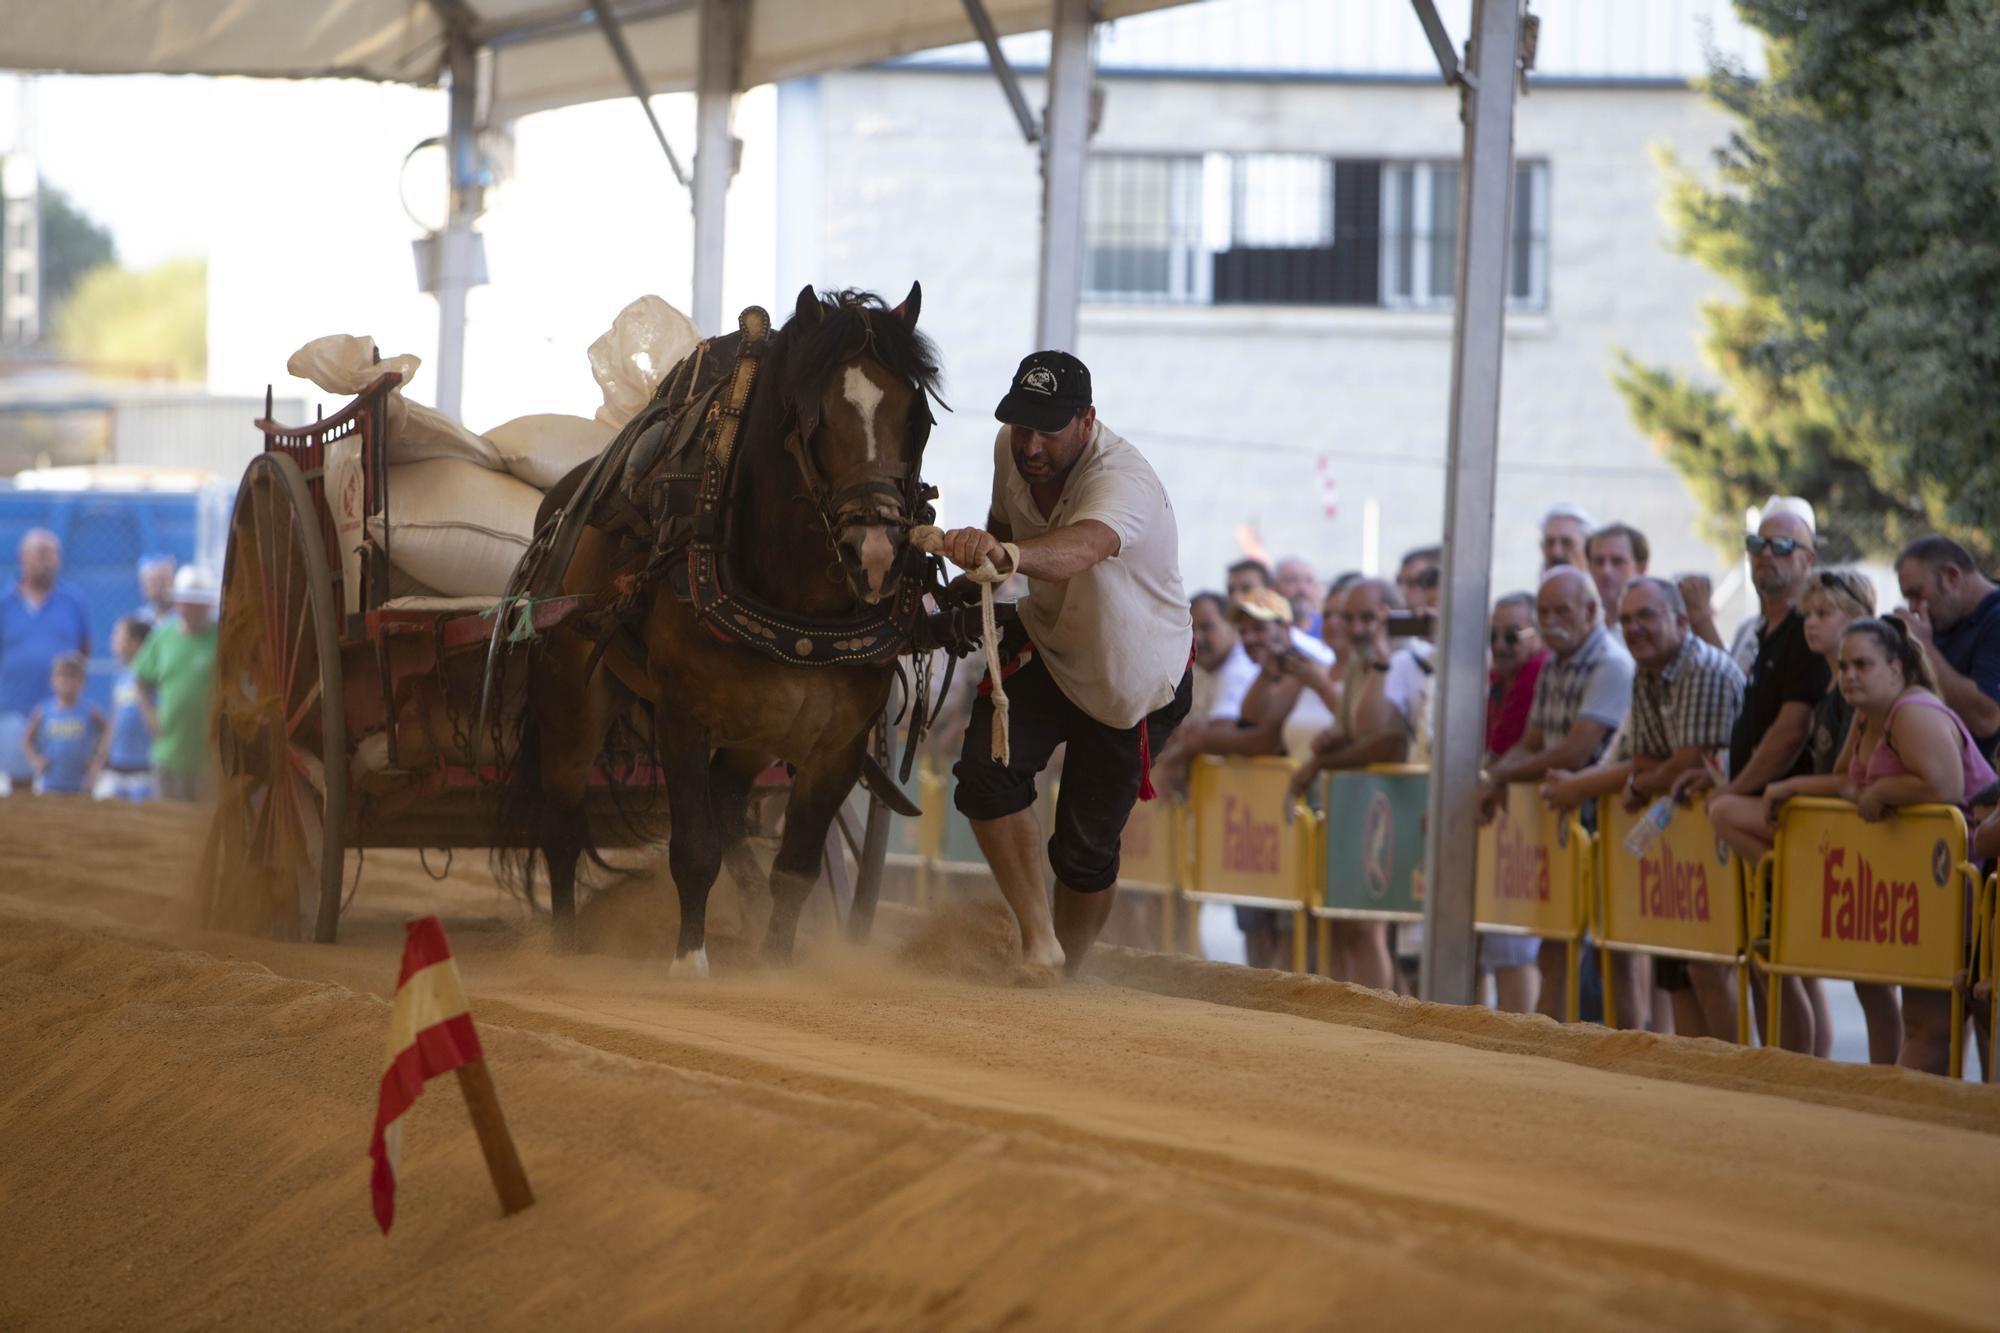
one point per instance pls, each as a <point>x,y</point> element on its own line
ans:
<point>1034,976</point>
<point>1039,968</point>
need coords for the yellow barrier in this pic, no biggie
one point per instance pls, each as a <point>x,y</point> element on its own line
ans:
<point>1683,899</point>
<point>1989,923</point>
<point>1243,851</point>
<point>1534,877</point>
<point>1884,902</point>
<point>1149,854</point>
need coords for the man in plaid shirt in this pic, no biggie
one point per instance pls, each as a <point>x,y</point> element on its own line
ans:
<point>1581,695</point>
<point>1684,704</point>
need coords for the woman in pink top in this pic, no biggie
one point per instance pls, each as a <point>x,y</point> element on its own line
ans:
<point>1906,747</point>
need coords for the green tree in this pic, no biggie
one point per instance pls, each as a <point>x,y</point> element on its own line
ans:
<point>1852,213</point>
<point>151,322</point>
<point>72,245</point>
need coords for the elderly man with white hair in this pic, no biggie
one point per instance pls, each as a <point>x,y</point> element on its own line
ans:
<point>41,618</point>
<point>1566,530</point>
<point>1581,698</point>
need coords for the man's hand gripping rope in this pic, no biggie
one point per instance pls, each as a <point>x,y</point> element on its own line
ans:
<point>931,541</point>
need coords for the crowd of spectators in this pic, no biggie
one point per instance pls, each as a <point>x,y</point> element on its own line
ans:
<point>153,742</point>
<point>1606,680</point>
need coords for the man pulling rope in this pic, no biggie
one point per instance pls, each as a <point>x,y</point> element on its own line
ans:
<point>1100,662</point>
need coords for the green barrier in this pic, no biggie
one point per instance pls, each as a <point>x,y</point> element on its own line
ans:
<point>1373,863</point>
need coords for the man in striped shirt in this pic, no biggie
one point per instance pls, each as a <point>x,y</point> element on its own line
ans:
<point>1685,699</point>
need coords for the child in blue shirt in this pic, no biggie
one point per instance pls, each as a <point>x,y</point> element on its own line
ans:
<point>66,736</point>
<point>128,767</point>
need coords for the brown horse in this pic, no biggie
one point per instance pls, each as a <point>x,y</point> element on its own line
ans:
<point>849,378</point>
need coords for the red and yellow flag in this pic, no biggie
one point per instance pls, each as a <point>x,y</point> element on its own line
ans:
<point>430,1033</point>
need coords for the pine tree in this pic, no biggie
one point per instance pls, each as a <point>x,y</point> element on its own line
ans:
<point>1859,364</point>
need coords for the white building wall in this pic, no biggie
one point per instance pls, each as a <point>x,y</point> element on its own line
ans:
<point>923,175</point>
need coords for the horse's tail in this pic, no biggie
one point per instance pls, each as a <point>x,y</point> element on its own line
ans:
<point>526,820</point>
<point>520,804</point>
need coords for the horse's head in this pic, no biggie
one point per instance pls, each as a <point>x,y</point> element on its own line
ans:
<point>857,378</point>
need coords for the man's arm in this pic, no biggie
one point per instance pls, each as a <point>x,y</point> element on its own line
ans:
<point>1262,726</point>
<point>1570,753</point>
<point>1049,558</point>
<point>1775,754</point>
<point>1656,777</point>
<point>30,742</point>
<point>1979,711</point>
<point>1566,791</point>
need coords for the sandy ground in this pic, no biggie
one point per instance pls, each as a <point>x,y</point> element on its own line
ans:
<point>889,1139</point>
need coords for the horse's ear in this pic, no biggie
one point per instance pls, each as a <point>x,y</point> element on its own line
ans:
<point>907,312</point>
<point>808,308</point>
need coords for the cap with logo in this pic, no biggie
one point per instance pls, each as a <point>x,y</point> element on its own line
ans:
<point>1049,390</point>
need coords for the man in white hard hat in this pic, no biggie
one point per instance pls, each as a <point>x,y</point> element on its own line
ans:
<point>176,674</point>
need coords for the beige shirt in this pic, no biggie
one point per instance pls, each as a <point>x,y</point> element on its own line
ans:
<point>1116,637</point>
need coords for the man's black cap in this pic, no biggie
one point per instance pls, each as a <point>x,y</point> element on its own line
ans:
<point>1049,390</point>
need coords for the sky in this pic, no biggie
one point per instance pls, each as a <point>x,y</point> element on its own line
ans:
<point>294,192</point>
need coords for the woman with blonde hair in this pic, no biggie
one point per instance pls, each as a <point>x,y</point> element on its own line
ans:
<point>1833,599</point>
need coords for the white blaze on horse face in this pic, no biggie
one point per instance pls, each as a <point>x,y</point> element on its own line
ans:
<point>866,396</point>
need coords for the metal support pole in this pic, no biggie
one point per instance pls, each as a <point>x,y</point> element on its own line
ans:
<point>720,49</point>
<point>1450,972</point>
<point>458,259</point>
<point>1010,83</point>
<point>1065,150</point>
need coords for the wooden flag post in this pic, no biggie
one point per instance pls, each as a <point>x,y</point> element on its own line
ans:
<point>431,1034</point>
<point>503,1163</point>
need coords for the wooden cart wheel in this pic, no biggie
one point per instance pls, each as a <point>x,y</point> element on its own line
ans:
<point>276,846</point>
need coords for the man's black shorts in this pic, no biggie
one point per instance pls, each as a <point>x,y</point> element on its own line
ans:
<point>1100,779</point>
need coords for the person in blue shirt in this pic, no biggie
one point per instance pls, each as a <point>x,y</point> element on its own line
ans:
<point>66,736</point>
<point>156,587</point>
<point>1953,610</point>
<point>41,618</point>
<point>128,766</point>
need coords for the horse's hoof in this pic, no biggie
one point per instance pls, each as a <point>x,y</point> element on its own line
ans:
<point>562,936</point>
<point>690,964</point>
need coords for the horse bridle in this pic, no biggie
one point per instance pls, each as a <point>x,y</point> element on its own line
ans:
<point>893,495</point>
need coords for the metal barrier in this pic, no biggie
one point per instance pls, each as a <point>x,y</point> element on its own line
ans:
<point>1369,849</point>
<point>1685,898</point>
<point>1244,851</point>
<point>1988,920</point>
<point>1534,878</point>
<point>1885,902</point>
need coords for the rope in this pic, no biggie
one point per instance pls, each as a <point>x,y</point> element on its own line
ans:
<point>930,540</point>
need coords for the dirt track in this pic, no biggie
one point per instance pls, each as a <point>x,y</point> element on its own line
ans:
<point>887,1139</point>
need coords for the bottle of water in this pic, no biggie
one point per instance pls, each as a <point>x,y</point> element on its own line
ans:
<point>1650,827</point>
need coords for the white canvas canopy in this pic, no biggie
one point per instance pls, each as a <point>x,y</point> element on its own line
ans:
<point>544,54</point>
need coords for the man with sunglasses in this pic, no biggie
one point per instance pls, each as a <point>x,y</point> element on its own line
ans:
<point>1786,678</point>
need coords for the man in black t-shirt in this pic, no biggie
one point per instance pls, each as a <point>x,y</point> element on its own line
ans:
<point>1788,679</point>
<point>1769,740</point>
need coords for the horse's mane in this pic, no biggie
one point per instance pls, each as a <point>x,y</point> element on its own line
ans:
<point>848,321</point>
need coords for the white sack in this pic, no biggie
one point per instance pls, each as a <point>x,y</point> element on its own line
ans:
<point>648,339</point>
<point>344,363</point>
<point>457,528</point>
<point>541,450</point>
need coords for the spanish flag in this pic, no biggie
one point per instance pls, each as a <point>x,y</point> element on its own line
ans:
<point>430,1033</point>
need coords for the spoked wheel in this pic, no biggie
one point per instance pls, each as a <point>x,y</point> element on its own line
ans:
<point>276,845</point>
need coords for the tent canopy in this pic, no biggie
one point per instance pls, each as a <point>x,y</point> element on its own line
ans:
<point>546,53</point>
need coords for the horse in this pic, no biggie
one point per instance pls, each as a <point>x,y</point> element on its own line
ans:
<point>827,457</point>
